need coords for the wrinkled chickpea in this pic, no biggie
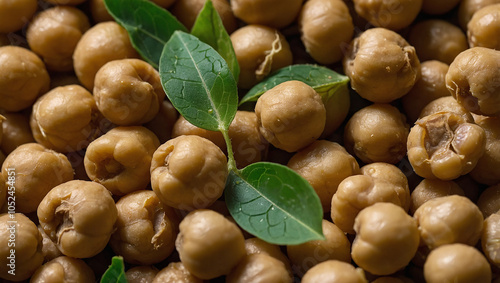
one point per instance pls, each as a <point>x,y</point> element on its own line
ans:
<point>188,172</point>
<point>37,170</point>
<point>259,50</point>
<point>382,65</point>
<point>54,33</point>
<point>275,13</point>
<point>79,216</point>
<point>184,127</point>
<point>324,164</point>
<point>446,104</point>
<point>163,123</point>
<point>186,12</point>
<point>175,272</point>
<point>334,271</point>
<point>257,246</point>
<point>26,80</point>
<point>102,43</point>
<point>429,189</point>
<point>377,133</point>
<point>49,248</point>
<point>142,274</point>
<point>145,229</point>
<point>259,268</point>
<point>388,14</point>
<point>28,241</point>
<point>291,115</point>
<point>432,7</point>
<point>467,9</point>
<point>486,170</point>
<point>445,146</point>
<point>489,200</point>
<point>71,269</point>
<point>15,14</point>
<point>392,231</point>
<point>457,263</point>
<point>65,119</point>
<point>378,182</point>
<point>209,245</point>
<point>448,220</point>
<point>484,26</point>
<point>490,239</point>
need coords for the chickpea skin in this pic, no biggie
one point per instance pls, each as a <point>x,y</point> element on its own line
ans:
<point>142,274</point>
<point>334,271</point>
<point>484,26</point>
<point>446,104</point>
<point>275,13</point>
<point>490,239</point>
<point>489,200</point>
<point>176,272</point>
<point>429,189</point>
<point>438,7</point>
<point>467,9</point>
<point>71,269</point>
<point>486,170</point>
<point>186,12</point>
<point>259,268</point>
<point>49,248</point>
<point>15,14</point>
<point>209,245</point>
<point>255,245</point>
<point>388,14</point>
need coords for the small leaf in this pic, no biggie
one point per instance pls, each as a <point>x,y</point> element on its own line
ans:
<point>198,82</point>
<point>275,204</point>
<point>209,28</point>
<point>149,26</point>
<point>322,79</point>
<point>115,272</point>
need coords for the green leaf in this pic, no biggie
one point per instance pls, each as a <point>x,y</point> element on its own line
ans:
<point>115,272</point>
<point>149,26</point>
<point>209,28</point>
<point>322,79</point>
<point>198,82</point>
<point>275,204</point>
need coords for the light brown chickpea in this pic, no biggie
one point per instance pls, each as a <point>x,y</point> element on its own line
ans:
<point>15,14</point>
<point>335,246</point>
<point>324,164</point>
<point>175,272</point>
<point>249,146</point>
<point>484,26</point>
<point>184,127</point>
<point>49,248</point>
<point>27,79</point>
<point>378,182</point>
<point>71,269</point>
<point>188,172</point>
<point>65,119</point>
<point>438,7</point>
<point>128,92</point>
<point>489,200</point>
<point>490,238</point>
<point>186,12</point>
<point>486,170</point>
<point>275,13</point>
<point>388,14</point>
<point>334,271</point>
<point>37,170</point>
<point>102,43</point>
<point>65,2</point>
<point>446,104</point>
<point>445,146</point>
<point>437,40</point>
<point>99,12</point>
<point>259,51</point>
<point>448,220</point>
<point>457,263</point>
<point>120,159</point>
<point>382,65</point>
<point>255,245</point>
<point>430,86</point>
<point>429,189</point>
<point>392,231</point>
<point>291,115</point>
<point>142,274</point>
<point>209,245</point>
<point>145,228</point>
<point>163,123</point>
<point>54,33</point>
<point>473,80</point>
<point>79,216</point>
<point>26,256</point>
<point>326,28</point>
<point>377,133</point>
<point>467,9</point>
<point>259,268</point>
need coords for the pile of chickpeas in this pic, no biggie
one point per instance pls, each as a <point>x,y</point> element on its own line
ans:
<point>96,162</point>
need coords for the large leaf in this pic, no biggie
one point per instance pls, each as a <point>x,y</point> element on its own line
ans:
<point>209,28</point>
<point>198,82</point>
<point>148,25</point>
<point>275,204</point>
<point>115,272</point>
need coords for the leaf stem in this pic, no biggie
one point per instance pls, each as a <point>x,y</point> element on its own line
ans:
<point>231,162</point>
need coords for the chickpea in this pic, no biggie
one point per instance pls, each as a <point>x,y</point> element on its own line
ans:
<point>324,164</point>
<point>28,241</point>
<point>259,268</point>
<point>326,28</point>
<point>142,274</point>
<point>275,13</point>
<point>71,269</point>
<point>3,190</point>
<point>392,231</point>
<point>456,263</point>
<point>15,14</point>
<point>186,12</point>
<point>388,14</point>
<point>37,171</point>
<point>489,201</point>
<point>448,220</point>
<point>65,2</point>
<point>184,127</point>
<point>467,9</point>
<point>334,271</point>
<point>473,80</point>
<point>79,216</point>
<point>54,33</point>
<point>429,189</point>
<point>437,40</point>
<point>336,246</point>
<point>175,272</point>
<point>26,80</point>
<point>209,245</point>
<point>486,170</point>
<point>484,26</point>
<point>99,12</point>
<point>49,248</point>
<point>490,238</point>
<point>100,44</point>
<point>337,108</point>
<point>2,119</point>
<point>291,115</point>
<point>65,119</point>
<point>188,172</point>
<point>438,7</point>
<point>249,145</point>
<point>444,146</point>
<point>163,123</point>
<point>257,246</point>
<point>430,86</point>
<point>259,50</point>
<point>446,104</point>
<point>382,65</point>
